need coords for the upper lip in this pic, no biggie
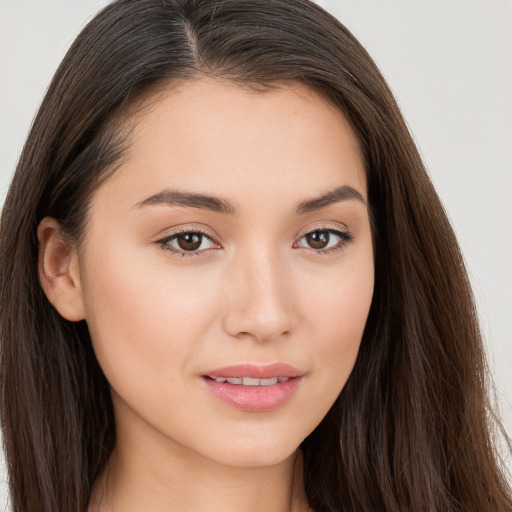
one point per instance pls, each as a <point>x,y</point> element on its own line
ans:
<point>256,371</point>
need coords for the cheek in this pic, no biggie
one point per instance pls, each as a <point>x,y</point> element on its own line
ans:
<point>142,317</point>
<point>340,299</point>
<point>338,311</point>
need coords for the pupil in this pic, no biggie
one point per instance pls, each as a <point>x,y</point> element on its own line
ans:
<point>189,241</point>
<point>318,239</point>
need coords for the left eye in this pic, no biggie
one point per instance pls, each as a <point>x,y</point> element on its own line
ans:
<point>324,239</point>
<point>188,241</point>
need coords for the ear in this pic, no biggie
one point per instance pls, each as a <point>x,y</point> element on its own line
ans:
<point>59,271</point>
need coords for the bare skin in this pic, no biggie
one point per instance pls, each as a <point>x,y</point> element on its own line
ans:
<point>236,232</point>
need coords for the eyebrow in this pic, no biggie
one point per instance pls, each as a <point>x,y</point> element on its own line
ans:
<point>344,193</point>
<point>218,205</point>
<point>189,199</point>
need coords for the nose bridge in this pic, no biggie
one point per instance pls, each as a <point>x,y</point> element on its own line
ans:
<point>261,303</point>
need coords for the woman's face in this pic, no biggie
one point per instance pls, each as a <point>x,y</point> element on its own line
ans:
<point>233,243</point>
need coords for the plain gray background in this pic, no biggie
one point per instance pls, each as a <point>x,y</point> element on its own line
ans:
<point>449,63</point>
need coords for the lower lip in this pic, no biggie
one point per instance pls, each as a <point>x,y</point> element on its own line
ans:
<point>254,398</point>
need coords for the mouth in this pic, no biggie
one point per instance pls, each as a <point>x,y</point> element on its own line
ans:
<point>250,373</point>
<point>251,381</point>
<point>254,388</point>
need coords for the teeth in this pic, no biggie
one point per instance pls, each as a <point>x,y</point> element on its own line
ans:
<point>251,381</point>
<point>268,382</point>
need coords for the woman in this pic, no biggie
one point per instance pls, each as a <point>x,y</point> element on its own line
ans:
<point>220,286</point>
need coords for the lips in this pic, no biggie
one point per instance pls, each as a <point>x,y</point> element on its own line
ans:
<point>256,372</point>
<point>254,388</point>
<point>251,381</point>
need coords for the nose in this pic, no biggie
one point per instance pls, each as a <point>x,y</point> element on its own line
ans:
<point>260,302</point>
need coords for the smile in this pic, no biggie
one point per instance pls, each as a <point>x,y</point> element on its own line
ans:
<point>251,381</point>
<point>254,388</point>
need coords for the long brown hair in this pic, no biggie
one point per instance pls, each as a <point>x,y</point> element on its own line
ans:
<point>411,431</point>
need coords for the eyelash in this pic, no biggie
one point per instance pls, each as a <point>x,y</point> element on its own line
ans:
<point>164,242</point>
<point>345,238</point>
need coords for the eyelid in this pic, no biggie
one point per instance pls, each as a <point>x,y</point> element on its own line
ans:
<point>188,228</point>
<point>340,228</point>
<point>167,235</point>
<point>341,231</point>
<point>346,237</point>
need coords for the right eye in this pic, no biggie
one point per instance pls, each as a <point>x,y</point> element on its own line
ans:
<point>188,243</point>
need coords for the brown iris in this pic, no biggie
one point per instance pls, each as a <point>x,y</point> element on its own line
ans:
<point>189,241</point>
<point>318,239</point>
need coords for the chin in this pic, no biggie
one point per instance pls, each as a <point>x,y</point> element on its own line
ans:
<point>264,448</point>
<point>255,458</point>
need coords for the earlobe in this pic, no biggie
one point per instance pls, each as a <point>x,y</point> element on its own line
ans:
<point>59,271</point>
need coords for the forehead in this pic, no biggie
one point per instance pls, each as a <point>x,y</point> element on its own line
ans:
<point>213,136</point>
